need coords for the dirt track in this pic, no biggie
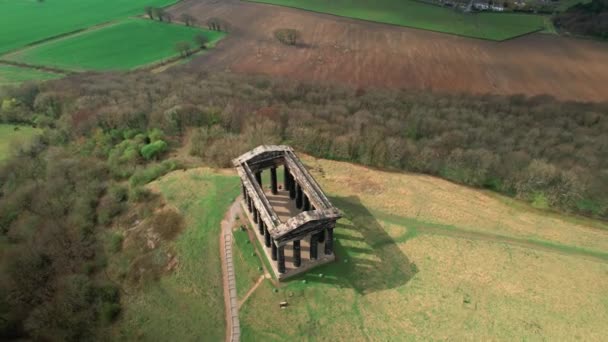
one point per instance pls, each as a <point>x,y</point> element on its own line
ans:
<point>367,54</point>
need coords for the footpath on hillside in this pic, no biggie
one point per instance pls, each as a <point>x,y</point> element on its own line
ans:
<point>233,328</point>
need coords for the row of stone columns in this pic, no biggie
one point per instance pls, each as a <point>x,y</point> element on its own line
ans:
<point>303,203</point>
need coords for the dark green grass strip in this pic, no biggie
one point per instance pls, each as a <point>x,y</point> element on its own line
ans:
<point>490,26</point>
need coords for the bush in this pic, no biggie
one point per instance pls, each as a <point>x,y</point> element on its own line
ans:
<point>139,194</point>
<point>153,150</point>
<point>152,172</point>
<point>109,312</point>
<point>116,241</point>
<point>287,36</point>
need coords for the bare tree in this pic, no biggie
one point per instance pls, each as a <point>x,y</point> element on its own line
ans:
<point>201,40</point>
<point>150,12</point>
<point>217,24</point>
<point>188,19</point>
<point>288,36</point>
<point>159,13</point>
<point>183,48</point>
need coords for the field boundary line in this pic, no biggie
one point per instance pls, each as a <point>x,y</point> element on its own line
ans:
<point>59,37</point>
<point>37,67</point>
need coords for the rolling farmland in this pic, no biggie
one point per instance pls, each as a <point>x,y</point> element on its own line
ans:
<point>34,21</point>
<point>126,45</point>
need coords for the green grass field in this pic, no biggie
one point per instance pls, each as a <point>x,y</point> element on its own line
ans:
<point>187,305</point>
<point>418,258</point>
<point>9,135</point>
<point>247,264</point>
<point>493,26</point>
<point>27,21</point>
<point>11,75</point>
<point>447,272</point>
<point>126,45</point>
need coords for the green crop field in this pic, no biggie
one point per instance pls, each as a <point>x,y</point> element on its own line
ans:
<point>10,134</point>
<point>493,26</point>
<point>25,22</point>
<point>128,44</point>
<point>187,305</point>
<point>10,75</point>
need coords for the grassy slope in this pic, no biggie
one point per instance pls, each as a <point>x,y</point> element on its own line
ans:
<point>8,135</point>
<point>10,75</point>
<point>126,45</point>
<point>188,305</point>
<point>26,22</point>
<point>399,277</point>
<point>246,263</point>
<point>492,26</point>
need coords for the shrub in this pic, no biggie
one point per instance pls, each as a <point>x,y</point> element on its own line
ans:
<point>153,150</point>
<point>287,36</point>
<point>152,172</point>
<point>115,244</point>
<point>109,312</point>
<point>108,208</point>
<point>139,194</point>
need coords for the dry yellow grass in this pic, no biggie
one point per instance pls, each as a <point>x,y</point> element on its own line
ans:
<point>431,199</point>
<point>392,285</point>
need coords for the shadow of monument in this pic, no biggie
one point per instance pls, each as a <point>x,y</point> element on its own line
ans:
<point>367,258</point>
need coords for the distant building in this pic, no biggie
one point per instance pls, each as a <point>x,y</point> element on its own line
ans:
<point>481,6</point>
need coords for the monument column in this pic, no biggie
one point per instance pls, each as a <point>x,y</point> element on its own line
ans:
<point>292,188</point>
<point>260,225</point>
<point>286,178</point>
<point>266,236</point>
<point>329,244</point>
<point>299,196</point>
<point>297,256</point>
<point>244,192</point>
<point>255,215</point>
<point>281,261</point>
<point>273,251</point>
<point>249,203</point>
<point>258,177</point>
<point>306,203</point>
<point>313,247</point>
<point>273,180</point>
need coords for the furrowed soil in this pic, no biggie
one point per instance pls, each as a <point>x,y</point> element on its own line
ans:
<point>364,54</point>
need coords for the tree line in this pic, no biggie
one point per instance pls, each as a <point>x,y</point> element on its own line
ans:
<point>551,153</point>
<point>585,19</point>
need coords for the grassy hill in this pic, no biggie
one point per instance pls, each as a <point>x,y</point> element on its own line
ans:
<point>187,305</point>
<point>422,258</point>
<point>418,258</point>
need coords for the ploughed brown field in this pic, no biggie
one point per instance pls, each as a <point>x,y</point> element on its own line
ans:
<point>365,54</point>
